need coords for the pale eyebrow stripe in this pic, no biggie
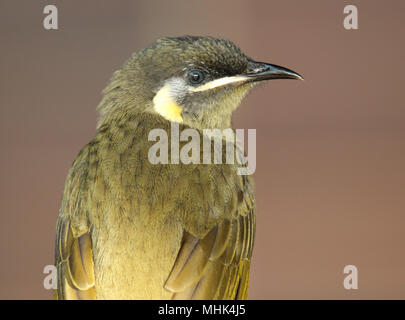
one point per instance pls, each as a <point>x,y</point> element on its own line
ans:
<point>219,83</point>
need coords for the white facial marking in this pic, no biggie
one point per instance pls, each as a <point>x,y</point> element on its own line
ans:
<point>219,83</point>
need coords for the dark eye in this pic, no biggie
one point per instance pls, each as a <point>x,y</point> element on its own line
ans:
<point>195,76</point>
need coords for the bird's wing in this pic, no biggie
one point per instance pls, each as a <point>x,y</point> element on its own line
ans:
<point>217,265</point>
<point>73,251</point>
<point>74,263</point>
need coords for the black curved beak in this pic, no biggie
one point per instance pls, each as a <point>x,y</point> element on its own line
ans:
<point>263,71</point>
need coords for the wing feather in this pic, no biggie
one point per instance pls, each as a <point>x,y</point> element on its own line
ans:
<point>217,265</point>
<point>74,263</point>
<point>74,250</point>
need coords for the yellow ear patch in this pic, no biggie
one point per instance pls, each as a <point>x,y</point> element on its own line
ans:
<point>166,107</point>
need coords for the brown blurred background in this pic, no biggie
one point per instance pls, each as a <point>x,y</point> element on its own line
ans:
<point>330,178</point>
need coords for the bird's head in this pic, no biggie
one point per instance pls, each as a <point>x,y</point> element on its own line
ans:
<point>198,81</point>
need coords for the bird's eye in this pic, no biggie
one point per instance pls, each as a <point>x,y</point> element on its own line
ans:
<point>195,76</point>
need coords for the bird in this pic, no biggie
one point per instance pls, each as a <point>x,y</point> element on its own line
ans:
<point>131,229</point>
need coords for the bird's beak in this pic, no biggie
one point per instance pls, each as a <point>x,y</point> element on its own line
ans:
<point>263,71</point>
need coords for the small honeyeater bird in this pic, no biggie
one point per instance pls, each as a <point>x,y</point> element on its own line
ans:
<point>132,229</point>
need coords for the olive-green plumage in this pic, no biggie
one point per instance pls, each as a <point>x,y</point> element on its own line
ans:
<point>130,229</point>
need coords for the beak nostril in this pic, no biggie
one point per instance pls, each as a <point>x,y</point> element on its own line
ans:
<point>264,71</point>
<point>267,68</point>
<point>256,67</point>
